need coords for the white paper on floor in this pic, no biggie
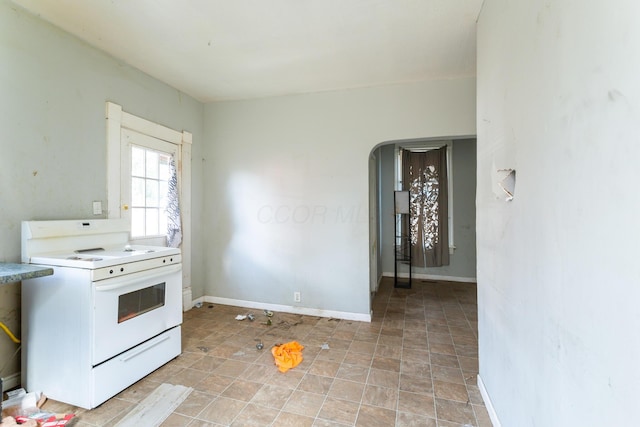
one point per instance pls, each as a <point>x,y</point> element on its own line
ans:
<point>156,407</point>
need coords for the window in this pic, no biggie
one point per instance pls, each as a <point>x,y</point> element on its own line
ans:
<point>138,152</point>
<point>150,174</point>
<point>145,168</point>
<point>425,200</point>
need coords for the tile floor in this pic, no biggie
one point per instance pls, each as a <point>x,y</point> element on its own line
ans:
<point>415,364</point>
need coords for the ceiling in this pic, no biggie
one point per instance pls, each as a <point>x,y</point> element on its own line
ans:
<point>239,49</point>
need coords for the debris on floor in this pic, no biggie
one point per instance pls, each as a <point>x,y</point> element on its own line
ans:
<point>11,422</point>
<point>241,317</point>
<point>25,409</point>
<point>287,355</point>
<point>324,346</point>
<point>269,315</point>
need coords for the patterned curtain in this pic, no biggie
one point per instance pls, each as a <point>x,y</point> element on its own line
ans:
<point>424,175</point>
<point>174,228</point>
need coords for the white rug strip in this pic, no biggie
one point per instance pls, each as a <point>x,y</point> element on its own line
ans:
<point>156,407</point>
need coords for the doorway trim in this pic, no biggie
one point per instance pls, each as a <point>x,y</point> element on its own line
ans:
<point>117,120</point>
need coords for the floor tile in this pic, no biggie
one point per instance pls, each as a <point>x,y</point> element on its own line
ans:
<point>383,397</point>
<point>347,390</point>
<point>285,419</point>
<point>339,410</point>
<point>443,373</point>
<point>315,384</point>
<point>213,384</point>
<point>415,403</point>
<point>372,416</point>
<point>290,379</point>
<point>304,403</point>
<point>383,378</point>
<point>450,391</point>
<point>176,420</point>
<point>255,416</point>
<point>193,404</point>
<point>353,373</point>
<point>455,411</point>
<point>416,384</point>
<point>271,396</point>
<point>241,390</point>
<point>405,419</point>
<point>324,368</point>
<point>221,411</point>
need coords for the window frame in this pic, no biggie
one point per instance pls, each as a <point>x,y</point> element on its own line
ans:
<point>118,123</point>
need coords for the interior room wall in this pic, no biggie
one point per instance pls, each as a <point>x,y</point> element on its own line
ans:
<point>287,187</point>
<point>462,264</point>
<point>52,115</point>
<point>558,101</point>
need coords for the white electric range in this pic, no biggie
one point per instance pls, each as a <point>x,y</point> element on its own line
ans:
<point>108,316</point>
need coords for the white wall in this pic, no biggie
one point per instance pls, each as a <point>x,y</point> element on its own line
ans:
<point>286,179</point>
<point>558,276</point>
<point>53,144</point>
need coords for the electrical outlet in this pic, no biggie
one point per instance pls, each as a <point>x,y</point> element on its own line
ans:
<point>97,208</point>
<point>296,296</point>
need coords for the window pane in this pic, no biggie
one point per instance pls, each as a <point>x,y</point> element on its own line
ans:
<point>164,166</point>
<point>137,161</point>
<point>164,194</point>
<point>163,222</point>
<point>153,225</point>
<point>137,192</point>
<point>152,197</point>
<point>137,222</point>
<point>152,164</point>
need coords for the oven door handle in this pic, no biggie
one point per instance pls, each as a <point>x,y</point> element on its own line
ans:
<point>144,348</point>
<point>124,283</point>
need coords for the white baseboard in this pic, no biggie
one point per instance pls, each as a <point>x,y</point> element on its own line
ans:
<point>361,317</point>
<point>10,381</point>
<point>488,404</point>
<point>423,276</point>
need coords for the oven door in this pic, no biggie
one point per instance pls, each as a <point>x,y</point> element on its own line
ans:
<point>130,309</point>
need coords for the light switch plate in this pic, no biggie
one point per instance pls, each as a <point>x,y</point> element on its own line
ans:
<point>97,208</point>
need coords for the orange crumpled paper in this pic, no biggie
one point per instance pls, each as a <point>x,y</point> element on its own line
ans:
<point>287,355</point>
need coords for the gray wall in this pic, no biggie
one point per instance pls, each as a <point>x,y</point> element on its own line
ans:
<point>54,89</point>
<point>558,276</point>
<point>287,179</point>
<point>463,260</point>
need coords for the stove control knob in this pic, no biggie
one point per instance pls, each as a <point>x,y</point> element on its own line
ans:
<point>110,271</point>
<point>121,269</point>
<point>164,261</point>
